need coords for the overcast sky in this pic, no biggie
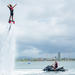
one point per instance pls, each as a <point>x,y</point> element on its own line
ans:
<point>43,27</point>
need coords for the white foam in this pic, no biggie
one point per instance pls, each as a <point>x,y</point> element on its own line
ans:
<point>28,71</point>
<point>40,72</point>
<point>68,72</point>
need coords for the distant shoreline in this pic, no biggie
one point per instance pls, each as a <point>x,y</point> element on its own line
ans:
<point>46,59</point>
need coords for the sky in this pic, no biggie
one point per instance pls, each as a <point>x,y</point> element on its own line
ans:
<point>43,27</point>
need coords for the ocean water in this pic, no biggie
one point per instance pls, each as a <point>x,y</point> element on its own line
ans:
<point>35,68</point>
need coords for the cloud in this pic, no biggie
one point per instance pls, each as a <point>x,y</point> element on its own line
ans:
<point>30,52</point>
<point>43,26</point>
<point>47,27</point>
<point>40,20</point>
<point>41,31</point>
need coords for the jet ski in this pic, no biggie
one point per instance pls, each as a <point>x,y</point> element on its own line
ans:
<point>50,68</point>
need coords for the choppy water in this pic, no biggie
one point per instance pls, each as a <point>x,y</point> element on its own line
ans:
<point>35,68</point>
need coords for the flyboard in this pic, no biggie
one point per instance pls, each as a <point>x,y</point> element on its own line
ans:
<point>11,22</point>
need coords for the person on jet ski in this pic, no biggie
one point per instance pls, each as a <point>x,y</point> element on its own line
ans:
<point>55,65</point>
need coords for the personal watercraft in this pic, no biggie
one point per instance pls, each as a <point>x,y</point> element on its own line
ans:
<point>50,68</point>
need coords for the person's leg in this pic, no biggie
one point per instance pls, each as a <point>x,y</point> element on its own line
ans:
<point>9,19</point>
<point>12,17</point>
<point>13,20</point>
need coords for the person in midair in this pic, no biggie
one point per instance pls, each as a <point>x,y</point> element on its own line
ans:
<point>11,8</point>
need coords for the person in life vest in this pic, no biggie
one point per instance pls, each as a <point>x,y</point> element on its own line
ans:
<point>11,8</point>
<point>55,65</point>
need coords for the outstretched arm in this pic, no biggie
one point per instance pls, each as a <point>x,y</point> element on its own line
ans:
<point>14,5</point>
<point>8,6</point>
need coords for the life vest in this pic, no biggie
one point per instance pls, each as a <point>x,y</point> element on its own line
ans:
<point>56,64</point>
<point>11,9</point>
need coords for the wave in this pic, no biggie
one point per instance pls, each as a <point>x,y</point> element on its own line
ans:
<point>41,72</point>
<point>68,72</point>
<point>28,71</point>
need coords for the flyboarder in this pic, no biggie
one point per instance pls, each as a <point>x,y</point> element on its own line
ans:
<point>11,8</point>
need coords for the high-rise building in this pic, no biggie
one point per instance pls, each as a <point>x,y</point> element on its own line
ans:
<point>59,55</point>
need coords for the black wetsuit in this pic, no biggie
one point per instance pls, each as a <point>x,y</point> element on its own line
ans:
<point>11,11</point>
<point>56,65</point>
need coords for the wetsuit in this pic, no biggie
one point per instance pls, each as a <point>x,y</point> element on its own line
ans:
<point>11,11</point>
<point>56,65</point>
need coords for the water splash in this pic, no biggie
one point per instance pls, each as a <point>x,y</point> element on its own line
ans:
<point>7,52</point>
<point>28,71</point>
